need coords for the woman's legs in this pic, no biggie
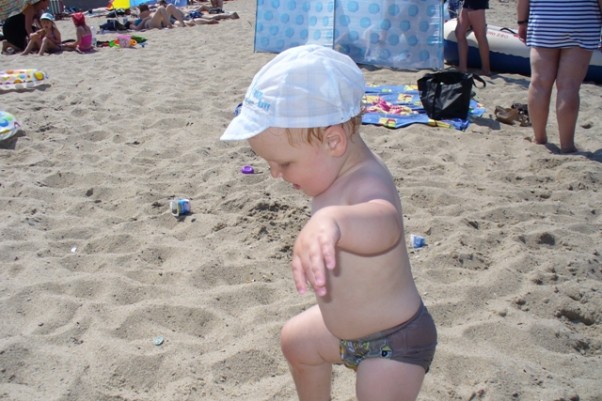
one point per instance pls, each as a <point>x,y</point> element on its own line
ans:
<point>478,22</point>
<point>572,68</point>
<point>461,30</point>
<point>173,11</point>
<point>160,19</point>
<point>476,19</point>
<point>544,69</point>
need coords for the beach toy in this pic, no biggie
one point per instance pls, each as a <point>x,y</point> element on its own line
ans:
<point>8,125</point>
<point>247,170</point>
<point>139,39</point>
<point>22,79</point>
<point>124,41</point>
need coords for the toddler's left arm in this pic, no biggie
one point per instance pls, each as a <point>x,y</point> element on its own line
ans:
<point>367,228</point>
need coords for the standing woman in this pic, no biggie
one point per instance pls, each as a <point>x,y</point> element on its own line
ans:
<point>17,28</point>
<point>562,36</point>
<point>473,15</point>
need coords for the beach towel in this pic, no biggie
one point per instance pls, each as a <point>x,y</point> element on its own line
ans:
<point>397,106</point>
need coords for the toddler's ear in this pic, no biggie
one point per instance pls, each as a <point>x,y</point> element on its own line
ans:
<point>336,140</point>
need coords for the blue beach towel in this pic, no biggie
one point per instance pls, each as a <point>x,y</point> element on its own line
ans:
<point>397,106</point>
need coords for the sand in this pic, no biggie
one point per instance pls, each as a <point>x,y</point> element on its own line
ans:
<point>94,268</point>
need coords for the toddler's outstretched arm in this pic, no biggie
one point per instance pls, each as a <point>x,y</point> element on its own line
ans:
<point>366,228</point>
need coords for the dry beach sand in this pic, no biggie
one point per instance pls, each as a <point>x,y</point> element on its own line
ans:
<point>94,267</point>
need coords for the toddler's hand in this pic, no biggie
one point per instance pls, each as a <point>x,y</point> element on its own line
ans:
<point>314,252</point>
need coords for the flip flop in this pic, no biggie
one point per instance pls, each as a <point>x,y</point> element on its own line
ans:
<point>521,107</point>
<point>523,114</point>
<point>524,120</point>
<point>506,115</point>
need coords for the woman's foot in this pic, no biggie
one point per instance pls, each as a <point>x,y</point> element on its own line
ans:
<point>540,141</point>
<point>568,150</point>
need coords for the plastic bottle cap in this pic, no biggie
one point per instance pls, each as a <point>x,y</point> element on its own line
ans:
<point>247,170</point>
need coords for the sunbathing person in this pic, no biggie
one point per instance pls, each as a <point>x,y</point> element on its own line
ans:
<point>216,11</point>
<point>161,18</point>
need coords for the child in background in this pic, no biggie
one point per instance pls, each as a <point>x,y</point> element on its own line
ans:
<point>302,114</point>
<point>47,39</point>
<point>83,43</point>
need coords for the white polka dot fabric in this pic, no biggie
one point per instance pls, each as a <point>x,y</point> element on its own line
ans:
<point>400,34</point>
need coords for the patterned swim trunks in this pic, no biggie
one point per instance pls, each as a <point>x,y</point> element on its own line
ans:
<point>411,342</point>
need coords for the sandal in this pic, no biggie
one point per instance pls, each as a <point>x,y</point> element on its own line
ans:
<point>506,115</point>
<point>523,114</point>
<point>524,120</point>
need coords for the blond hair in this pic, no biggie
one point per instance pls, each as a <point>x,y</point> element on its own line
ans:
<point>310,135</point>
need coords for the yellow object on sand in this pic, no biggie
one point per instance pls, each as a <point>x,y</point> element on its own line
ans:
<point>22,79</point>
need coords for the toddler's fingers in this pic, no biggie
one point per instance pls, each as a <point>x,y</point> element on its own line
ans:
<point>299,275</point>
<point>329,255</point>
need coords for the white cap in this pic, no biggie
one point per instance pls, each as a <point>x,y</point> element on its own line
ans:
<point>47,16</point>
<point>302,87</point>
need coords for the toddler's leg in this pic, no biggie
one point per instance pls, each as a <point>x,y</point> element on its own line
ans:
<point>387,380</point>
<point>33,44</point>
<point>43,47</point>
<point>310,350</point>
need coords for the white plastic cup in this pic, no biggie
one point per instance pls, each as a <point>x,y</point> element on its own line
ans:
<point>179,207</point>
<point>417,241</point>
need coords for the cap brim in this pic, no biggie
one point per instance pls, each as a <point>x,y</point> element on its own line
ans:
<point>244,126</point>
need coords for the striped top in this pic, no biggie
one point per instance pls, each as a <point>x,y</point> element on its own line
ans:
<point>562,23</point>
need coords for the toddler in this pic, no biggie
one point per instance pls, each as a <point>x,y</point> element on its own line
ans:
<point>47,39</point>
<point>302,115</point>
<point>83,43</point>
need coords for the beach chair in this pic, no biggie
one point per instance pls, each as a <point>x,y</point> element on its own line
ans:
<point>57,8</point>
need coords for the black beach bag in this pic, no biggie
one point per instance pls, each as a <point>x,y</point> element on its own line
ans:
<point>447,94</point>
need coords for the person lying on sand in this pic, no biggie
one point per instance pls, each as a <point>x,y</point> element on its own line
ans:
<point>160,19</point>
<point>216,11</point>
